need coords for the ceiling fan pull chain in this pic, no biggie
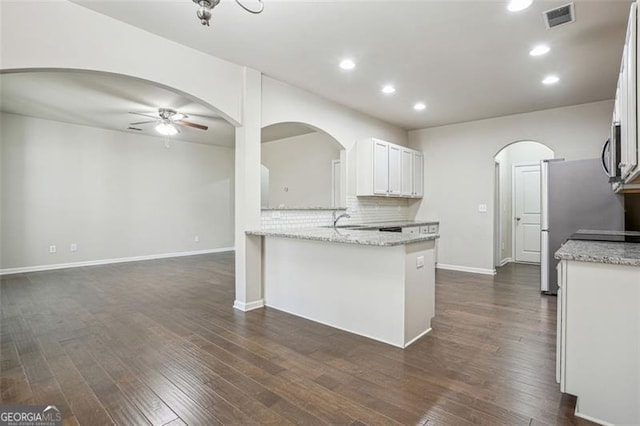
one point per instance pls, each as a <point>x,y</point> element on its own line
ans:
<point>255,12</point>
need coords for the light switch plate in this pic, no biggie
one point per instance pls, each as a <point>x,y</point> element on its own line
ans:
<point>482,208</point>
<point>420,262</point>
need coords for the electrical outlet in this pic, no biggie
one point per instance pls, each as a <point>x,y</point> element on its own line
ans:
<point>52,249</point>
<point>420,262</point>
<point>73,247</point>
<point>482,208</point>
<point>196,238</point>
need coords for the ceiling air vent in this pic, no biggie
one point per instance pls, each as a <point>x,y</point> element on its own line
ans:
<point>560,15</point>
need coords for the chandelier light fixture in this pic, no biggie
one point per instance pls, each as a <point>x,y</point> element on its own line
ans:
<point>206,6</point>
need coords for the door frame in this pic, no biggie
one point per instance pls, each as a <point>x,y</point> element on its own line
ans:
<point>513,206</point>
<point>497,217</point>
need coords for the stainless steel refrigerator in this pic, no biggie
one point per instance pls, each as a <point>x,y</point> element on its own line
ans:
<point>574,195</point>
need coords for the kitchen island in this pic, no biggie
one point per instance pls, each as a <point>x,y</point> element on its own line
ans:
<point>376,284</point>
<point>599,329</point>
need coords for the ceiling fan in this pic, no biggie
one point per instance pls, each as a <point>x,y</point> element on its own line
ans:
<point>166,120</point>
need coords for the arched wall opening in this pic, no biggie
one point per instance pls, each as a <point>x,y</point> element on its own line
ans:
<point>306,167</point>
<point>99,191</point>
<point>517,201</point>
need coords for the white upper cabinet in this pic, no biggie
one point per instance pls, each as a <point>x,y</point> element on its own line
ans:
<point>380,168</point>
<point>406,184</point>
<point>395,169</point>
<point>626,105</point>
<point>386,169</point>
<point>418,174</point>
<point>629,147</point>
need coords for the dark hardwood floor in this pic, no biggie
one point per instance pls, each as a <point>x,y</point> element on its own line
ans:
<point>158,342</point>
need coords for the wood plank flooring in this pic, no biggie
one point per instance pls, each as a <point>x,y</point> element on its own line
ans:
<point>158,343</point>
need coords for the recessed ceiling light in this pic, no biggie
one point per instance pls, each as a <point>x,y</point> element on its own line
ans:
<point>551,79</point>
<point>388,89</point>
<point>539,50</point>
<point>419,106</point>
<point>518,5</point>
<point>347,64</point>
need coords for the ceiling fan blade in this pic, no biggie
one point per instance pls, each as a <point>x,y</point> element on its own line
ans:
<point>142,122</point>
<point>145,115</point>
<point>190,124</point>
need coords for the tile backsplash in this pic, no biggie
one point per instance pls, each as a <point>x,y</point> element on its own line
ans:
<point>361,209</point>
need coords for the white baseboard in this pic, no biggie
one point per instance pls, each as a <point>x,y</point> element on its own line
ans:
<point>482,271</point>
<point>246,307</point>
<point>577,413</point>
<point>418,337</point>
<point>505,261</point>
<point>39,268</point>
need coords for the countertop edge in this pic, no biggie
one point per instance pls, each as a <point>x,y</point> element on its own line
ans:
<point>296,236</point>
<point>610,253</point>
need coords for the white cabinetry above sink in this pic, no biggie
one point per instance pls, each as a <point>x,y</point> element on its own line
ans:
<point>388,170</point>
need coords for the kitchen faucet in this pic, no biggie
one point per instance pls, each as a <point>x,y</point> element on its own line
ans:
<point>337,218</point>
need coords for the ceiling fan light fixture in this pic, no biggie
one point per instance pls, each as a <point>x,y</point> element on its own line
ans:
<point>166,128</point>
<point>206,6</point>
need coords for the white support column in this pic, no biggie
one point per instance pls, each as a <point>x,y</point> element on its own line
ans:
<point>247,196</point>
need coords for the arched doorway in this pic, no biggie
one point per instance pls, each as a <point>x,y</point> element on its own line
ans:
<point>517,202</point>
<point>305,167</point>
<point>88,177</point>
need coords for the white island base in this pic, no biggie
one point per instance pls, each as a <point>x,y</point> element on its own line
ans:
<point>384,293</point>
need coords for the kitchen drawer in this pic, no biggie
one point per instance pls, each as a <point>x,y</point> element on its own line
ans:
<point>429,229</point>
<point>411,230</point>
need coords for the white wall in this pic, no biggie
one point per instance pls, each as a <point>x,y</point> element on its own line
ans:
<point>302,164</point>
<point>517,153</point>
<point>114,194</point>
<point>459,170</point>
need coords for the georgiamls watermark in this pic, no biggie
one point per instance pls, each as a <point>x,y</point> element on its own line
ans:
<point>30,415</point>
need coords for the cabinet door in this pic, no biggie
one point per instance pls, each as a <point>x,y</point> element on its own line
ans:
<point>418,174</point>
<point>395,169</point>
<point>380,168</point>
<point>628,87</point>
<point>561,326</point>
<point>407,173</point>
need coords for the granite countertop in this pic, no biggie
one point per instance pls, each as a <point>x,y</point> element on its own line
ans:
<point>402,223</point>
<point>391,224</point>
<point>600,252</point>
<point>264,209</point>
<point>350,236</point>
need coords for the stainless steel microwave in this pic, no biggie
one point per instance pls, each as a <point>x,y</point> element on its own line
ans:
<point>611,155</point>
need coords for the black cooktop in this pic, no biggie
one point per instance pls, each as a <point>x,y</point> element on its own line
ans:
<point>609,236</point>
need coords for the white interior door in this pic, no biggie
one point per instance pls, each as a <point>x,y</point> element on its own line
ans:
<point>526,203</point>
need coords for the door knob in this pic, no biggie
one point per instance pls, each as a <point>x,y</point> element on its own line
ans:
<point>518,219</point>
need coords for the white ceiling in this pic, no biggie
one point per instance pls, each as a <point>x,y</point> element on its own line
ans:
<point>466,60</point>
<point>104,101</point>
